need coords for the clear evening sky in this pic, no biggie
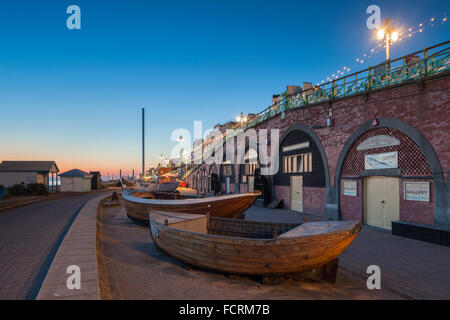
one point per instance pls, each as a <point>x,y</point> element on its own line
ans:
<point>75,96</point>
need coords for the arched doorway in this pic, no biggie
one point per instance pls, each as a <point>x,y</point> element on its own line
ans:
<point>302,181</point>
<point>198,181</point>
<point>389,172</point>
<point>247,170</point>
<point>204,181</point>
<point>214,184</point>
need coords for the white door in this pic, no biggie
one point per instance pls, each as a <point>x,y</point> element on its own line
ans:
<point>251,183</point>
<point>297,193</point>
<point>381,201</point>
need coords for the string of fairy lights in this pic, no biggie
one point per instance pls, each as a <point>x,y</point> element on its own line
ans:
<point>403,35</point>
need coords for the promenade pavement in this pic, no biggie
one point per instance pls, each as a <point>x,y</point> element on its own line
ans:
<point>417,269</point>
<point>29,239</point>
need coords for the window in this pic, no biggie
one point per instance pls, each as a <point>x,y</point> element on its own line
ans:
<point>297,163</point>
<point>250,169</point>
<point>227,170</point>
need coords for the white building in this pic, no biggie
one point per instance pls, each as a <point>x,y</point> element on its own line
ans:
<point>16,172</point>
<point>75,181</point>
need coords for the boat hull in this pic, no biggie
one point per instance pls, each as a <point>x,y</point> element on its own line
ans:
<point>231,206</point>
<point>163,187</point>
<point>252,256</point>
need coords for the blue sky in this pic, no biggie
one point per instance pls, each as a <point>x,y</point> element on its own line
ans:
<point>74,96</point>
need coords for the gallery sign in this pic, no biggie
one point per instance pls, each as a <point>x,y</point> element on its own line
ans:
<point>416,191</point>
<point>350,188</point>
<point>378,142</point>
<point>385,160</point>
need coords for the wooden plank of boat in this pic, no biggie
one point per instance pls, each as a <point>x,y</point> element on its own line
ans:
<point>302,248</point>
<point>227,206</point>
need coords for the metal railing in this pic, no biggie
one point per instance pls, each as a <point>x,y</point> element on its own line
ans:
<point>414,66</point>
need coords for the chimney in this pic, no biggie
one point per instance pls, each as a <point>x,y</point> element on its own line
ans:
<point>306,85</point>
<point>306,88</point>
<point>275,99</point>
<point>292,90</point>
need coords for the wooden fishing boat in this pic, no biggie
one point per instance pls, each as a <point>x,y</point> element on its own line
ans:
<point>228,206</point>
<point>248,247</point>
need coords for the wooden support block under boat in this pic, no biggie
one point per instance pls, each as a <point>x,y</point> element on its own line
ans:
<point>228,206</point>
<point>303,247</point>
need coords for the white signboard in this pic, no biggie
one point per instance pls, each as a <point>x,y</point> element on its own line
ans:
<point>381,160</point>
<point>350,188</point>
<point>416,191</point>
<point>378,142</point>
<point>301,145</point>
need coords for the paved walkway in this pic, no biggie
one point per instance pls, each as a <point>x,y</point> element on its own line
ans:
<point>417,269</point>
<point>136,269</point>
<point>29,238</point>
<point>79,250</point>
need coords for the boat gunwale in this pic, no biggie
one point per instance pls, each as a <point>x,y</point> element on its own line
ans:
<point>128,196</point>
<point>356,228</point>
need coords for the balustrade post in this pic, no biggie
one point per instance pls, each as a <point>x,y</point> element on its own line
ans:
<point>425,61</point>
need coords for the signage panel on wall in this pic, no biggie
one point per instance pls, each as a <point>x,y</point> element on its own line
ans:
<point>381,160</point>
<point>301,145</point>
<point>379,141</point>
<point>416,191</point>
<point>350,188</point>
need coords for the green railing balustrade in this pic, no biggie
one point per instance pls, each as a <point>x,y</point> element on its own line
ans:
<point>415,66</point>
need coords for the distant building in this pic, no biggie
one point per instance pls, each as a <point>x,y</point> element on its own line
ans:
<point>13,172</point>
<point>76,181</point>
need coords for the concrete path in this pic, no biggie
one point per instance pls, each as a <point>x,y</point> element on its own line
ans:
<point>77,253</point>
<point>417,269</point>
<point>29,239</point>
<point>136,269</point>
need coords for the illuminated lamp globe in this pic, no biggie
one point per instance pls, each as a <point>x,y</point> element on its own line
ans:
<point>394,36</point>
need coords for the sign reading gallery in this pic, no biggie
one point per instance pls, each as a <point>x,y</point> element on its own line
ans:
<point>416,191</point>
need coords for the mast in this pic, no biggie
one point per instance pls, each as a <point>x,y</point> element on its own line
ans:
<point>143,141</point>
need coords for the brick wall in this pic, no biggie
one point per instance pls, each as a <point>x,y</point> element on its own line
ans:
<point>426,110</point>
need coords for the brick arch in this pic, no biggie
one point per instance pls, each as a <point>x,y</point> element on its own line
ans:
<point>441,214</point>
<point>241,164</point>
<point>316,140</point>
<point>410,158</point>
<point>213,169</point>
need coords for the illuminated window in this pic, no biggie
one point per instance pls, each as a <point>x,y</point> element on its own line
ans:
<point>297,163</point>
<point>227,170</point>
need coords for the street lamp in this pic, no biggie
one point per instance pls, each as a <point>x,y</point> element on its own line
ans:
<point>180,140</point>
<point>241,118</point>
<point>388,35</point>
<point>185,157</point>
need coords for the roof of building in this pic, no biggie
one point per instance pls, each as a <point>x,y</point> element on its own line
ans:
<point>30,166</point>
<point>75,173</point>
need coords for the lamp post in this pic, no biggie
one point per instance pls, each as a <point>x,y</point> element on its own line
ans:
<point>388,35</point>
<point>180,140</point>
<point>241,119</point>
